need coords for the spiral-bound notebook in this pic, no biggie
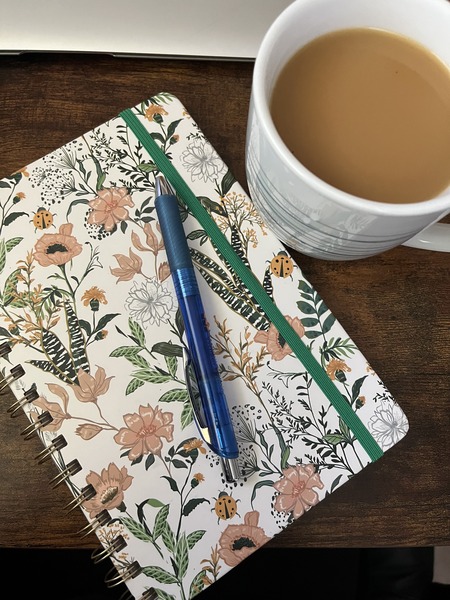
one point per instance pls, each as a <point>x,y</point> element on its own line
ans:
<point>92,348</point>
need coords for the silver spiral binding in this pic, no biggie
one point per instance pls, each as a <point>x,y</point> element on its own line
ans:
<point>71,469</point>
<point>58,444</point>
<point>101,553</point>
<point>149,594</point>
<point>114,577</point>
<point>101,520</point>
<point>5,349</point>
<point>86,493</point>
<point>28,396</point>
<point>42,420</point>
<point>16,373</point>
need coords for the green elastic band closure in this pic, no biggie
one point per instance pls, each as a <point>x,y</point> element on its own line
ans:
<point>254,286</point>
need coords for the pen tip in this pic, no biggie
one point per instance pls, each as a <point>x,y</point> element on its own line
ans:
<point>163,187</point>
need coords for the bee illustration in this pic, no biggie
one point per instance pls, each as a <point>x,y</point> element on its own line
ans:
<point>281,265</point>
<point>225,506</point>
<point>43,219</point>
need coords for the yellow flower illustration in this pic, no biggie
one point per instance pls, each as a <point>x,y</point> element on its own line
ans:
<point>94,293</point>
<point>336,365</point>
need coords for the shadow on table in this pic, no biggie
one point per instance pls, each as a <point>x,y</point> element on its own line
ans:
<point>353,574</point>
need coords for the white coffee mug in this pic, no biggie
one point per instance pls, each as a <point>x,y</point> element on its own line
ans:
<point>303,211</point>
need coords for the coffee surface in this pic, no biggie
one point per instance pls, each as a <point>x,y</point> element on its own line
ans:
<point>368,111</point>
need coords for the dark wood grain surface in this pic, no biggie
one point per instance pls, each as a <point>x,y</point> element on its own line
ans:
<point>396,307</point>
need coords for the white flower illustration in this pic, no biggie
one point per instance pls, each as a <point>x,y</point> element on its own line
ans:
<point>388,425</point>
<point>150,303</point>
<point>202,161</point>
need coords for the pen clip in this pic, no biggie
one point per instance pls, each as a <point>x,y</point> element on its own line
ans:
<point>194,396</point>
<point>229,465</point>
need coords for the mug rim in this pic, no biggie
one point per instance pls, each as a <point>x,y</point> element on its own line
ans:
<point>438,204</point>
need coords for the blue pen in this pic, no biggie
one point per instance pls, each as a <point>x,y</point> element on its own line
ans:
<point>213,417</point>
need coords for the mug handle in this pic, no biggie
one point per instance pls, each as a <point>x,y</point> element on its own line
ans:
<point>435,237</point>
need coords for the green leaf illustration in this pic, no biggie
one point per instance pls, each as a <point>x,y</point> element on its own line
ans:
<point>187,414</point>
<point>125,351</point>
<point>237,246</point>
<point>260,484</point>
<point>168,538</point>
<point>356,388</point>
<point>155,503</point>
<point>267,282</point>
<point>345,430</point>
<point>189,507</point>
<point>151,376</point>
<point>182,556</point>
<point>227,182</point>
<point>167,349</point>
<point>178,395</point>
<point>211,206</point>
<point>321,308</point>
<point>136,529</point>
<point>147,167</point>
<point>137,332</point>
<point>137,361</point>
<point>310,321</point>
<point>10,289</point>
<point>133,386</point>
<point>172,365</point>
<point>76,340</point>
<point>163,595</point>
<point>103,321</point>
<point>328,323</point>
<point>58,356</point>
<point>334,438</point>
<point>159,574</point>
<point>195,537</point>
<point>172,483</point>
<point>13,216</point>
<point>101,176</point>
<point>304,287</point>
<point>2,254</point>
<point>237,298</point>
<point>49,367</point>
<point>172,127</point>
<point>198,584</point>
<point>12,243</point>
<point>161,521</point>
<point>306,308</point>
<point>312,334</point>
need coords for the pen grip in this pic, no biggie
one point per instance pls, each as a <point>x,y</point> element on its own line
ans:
<point>214,403</point>
<point>172,230</point>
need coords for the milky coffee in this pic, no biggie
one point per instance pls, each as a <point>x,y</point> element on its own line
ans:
<point>368,111</point>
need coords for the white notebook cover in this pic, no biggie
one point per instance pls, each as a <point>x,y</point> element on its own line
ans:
<point>88,309</point>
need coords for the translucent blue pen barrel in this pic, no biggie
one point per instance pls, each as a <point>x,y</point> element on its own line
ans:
<point>205,366</point>
<point>214,403</point>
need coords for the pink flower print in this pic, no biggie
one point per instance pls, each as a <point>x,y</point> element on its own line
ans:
<point>296,493</point>
<point>110,486</point>
<point>276,345</point>
<point>57,248</point>
<point>144,432</point>
<point>90,387</point>
<point>239,541</point>
<point>129,266</point>
<point>108,207</point>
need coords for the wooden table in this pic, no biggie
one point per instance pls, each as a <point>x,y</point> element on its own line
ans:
<point>396,307</point>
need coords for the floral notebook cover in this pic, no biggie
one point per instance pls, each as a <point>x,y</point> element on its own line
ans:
<point>89,310</point>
